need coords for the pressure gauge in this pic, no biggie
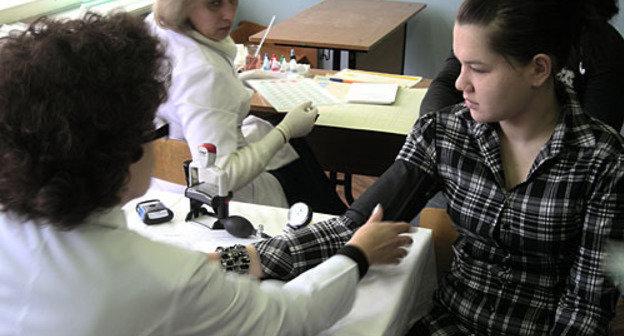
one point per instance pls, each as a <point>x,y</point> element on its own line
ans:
<point>299,215</point>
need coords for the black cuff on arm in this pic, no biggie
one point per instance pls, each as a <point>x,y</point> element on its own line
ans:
<point>357,255</point>
<point>403,190</point>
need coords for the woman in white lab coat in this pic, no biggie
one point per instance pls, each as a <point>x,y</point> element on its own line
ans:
<point>208,103</point>
<point>69,264</point>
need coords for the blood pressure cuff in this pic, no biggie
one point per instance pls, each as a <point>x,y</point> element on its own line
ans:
<point>403,190</point>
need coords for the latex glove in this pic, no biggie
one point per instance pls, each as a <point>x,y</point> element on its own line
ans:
<point>298,122</point>
<point>255,74</point>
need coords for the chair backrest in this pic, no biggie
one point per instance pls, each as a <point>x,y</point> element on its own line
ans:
<point>443,235</point>
<point>247,28</point>
<point>169,158</point>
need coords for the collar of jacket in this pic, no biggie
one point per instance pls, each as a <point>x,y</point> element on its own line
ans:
<point>225,46</point>
<point>573,126</point>
<point>112,218</point>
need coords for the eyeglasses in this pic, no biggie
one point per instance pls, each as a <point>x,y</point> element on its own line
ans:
<point>158,133</point>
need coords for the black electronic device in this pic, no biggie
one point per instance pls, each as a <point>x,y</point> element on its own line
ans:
<point>153,212</point>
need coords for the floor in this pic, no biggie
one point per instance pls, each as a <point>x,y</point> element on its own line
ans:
<point>361,183</point>
<point>617,325</point>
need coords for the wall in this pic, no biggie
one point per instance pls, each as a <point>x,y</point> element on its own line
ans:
<point>429,33</point>
<point>618,21</point>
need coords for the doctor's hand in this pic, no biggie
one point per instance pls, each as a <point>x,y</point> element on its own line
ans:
<point>381,241</point>
<point>299,121</point>
<point>255,74</point>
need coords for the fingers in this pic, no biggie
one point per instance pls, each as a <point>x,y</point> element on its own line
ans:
<point>299,121</point>
<point>398,255</point>
<point>377,214</point>
<point>396,227</point>
<point>396,250</point>
<point>391,251</point>
<point>382,242</point>
<point>305,106</point>
<point>401,227</point>
<point>308,111</point>
<point>399,242</point>
<point>402,241</point>
<point>313,111</point>
<point>394,256</point>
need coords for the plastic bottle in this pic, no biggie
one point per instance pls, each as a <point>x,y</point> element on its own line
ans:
<point>293,61</point>
<point>266,64</point>
<point>283,64</point>
<point>274,64</point>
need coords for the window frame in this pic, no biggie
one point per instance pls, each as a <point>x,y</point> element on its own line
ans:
<point>25,9</point>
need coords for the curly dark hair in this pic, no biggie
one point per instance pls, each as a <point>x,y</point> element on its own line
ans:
<point>76,97</point>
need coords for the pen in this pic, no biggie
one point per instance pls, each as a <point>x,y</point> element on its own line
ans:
<point>264,36</point>
<point>340,80</point>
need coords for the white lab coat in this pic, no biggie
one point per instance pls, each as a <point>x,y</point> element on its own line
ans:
<point>208,103</point>
<point>103,279</point>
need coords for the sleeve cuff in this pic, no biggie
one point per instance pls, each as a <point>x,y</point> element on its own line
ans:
<point>357,255</point>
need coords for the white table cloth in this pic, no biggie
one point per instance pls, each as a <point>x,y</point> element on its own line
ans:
<point>389,298</point>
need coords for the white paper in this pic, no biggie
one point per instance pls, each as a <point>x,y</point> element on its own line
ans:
<point>372,93</point>
<point>285,94</point>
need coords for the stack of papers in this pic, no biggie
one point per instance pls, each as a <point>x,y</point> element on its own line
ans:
<point>359,76</point>
<point>372,93</point>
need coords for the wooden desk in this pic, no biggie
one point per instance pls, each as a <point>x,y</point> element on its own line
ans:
<point>345,150</point>
<point>372,29</point>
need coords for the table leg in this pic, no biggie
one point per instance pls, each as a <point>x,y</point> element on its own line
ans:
<point>404,45</point>
<point>336,56</point>
<point>348,189</point>
<point>351,59</point>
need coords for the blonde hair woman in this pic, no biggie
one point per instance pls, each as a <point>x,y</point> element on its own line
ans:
<point>208,103</point>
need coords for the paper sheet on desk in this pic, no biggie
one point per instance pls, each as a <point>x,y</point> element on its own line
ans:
<point>397,118</point>
<point>377,77</point>
<point>372,93</point>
